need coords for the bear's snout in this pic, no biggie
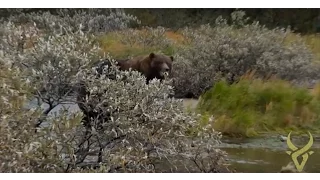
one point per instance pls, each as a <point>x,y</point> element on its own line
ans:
<point>165,67</point>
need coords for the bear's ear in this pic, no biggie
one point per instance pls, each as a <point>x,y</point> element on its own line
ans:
<point>171,57</point>
<point>151,55</point>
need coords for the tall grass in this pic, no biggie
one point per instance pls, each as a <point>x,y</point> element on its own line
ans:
<point>254,105</point>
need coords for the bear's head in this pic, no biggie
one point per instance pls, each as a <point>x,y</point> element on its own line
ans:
<point>160,65</point>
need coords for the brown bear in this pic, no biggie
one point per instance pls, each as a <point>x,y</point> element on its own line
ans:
<point>151,66</point>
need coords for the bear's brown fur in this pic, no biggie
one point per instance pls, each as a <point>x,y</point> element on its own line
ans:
<point>151,66</point>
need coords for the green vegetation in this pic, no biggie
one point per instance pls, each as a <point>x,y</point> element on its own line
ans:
<point>253,106</point>
<point>248,108</point>
<point>205,55</point>
<point>212,50</point>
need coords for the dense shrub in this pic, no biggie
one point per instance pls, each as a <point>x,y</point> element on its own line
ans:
<point>146,131</point>
<point>301,20</point>
<point>50,61</point>
<point>145,121</point>
<point>52,48</point>
<point>229,51</point>
<point>253,105</point>
<point>91,20</point>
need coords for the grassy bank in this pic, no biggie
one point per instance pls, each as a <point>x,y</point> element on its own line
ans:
<point>255,106</point>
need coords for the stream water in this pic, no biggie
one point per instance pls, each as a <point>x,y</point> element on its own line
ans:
<point>267,155</point>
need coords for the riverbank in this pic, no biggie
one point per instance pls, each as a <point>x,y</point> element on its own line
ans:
<point>265,153</point>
